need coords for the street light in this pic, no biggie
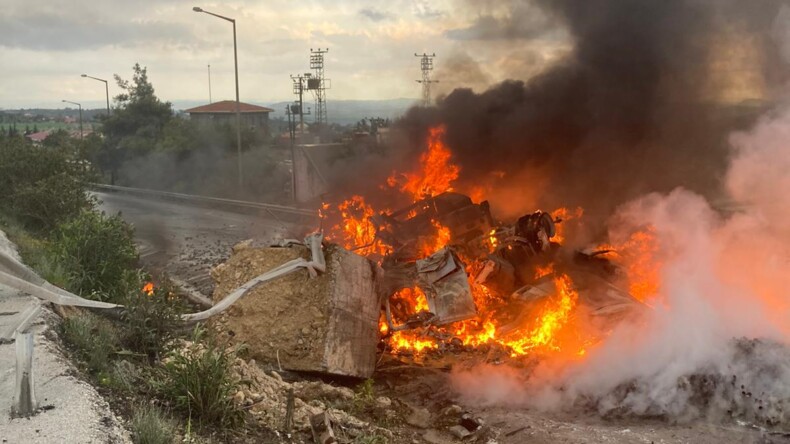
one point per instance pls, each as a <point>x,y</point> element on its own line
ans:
<point>75,103</point>
<point>106,90</point>
<point>238,107</point>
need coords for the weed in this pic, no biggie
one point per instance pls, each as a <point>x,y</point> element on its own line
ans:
<point>149,321</point>
<point>364,396</point>
<point>371,439</point>
<point>94,339</point>
<point>198,382</point>
<point>98,255</point>
<point>149,425</point>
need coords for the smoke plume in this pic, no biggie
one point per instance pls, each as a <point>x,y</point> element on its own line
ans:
<point>643,102</point>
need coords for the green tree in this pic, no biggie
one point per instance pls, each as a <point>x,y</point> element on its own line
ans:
<point>137,122</point>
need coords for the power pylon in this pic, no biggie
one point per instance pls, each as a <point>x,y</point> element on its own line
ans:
<point>318,84</point>
<point>426,66</point>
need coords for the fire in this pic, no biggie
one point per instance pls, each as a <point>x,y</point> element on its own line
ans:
<point>148,288</point>
<point>358,231</point>
<point>551,318</point>
<point>638,255</point>
<point>564,215</point>
<point>436,173</point>
<point>554,317</point>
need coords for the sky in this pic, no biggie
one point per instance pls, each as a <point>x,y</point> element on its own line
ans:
<point>46,44</point>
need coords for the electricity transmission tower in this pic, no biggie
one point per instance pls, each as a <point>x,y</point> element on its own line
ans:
<point>426,66</point>
<point>318,84</point>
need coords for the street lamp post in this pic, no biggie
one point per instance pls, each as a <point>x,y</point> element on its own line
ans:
<point>238,107</point>
<point>80,106</point>
<point>106,90</point>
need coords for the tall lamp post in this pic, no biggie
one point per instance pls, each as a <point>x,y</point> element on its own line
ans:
<point>238,107</point>
<point>106,90</point>
<point>79,105</point>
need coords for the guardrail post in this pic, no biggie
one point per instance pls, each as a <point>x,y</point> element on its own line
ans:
<point>25,401</point>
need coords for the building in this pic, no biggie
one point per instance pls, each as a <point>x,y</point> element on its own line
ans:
<point>253,116</point>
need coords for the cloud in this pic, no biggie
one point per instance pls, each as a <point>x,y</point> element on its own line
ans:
<point>50,32</point>
<point>520,20</point>
<point>376,15</point>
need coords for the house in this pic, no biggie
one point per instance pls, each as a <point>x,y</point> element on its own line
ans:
<point>39,137</point>
<point>253,116</point>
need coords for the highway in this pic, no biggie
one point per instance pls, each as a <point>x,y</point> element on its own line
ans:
<point>186,240</point>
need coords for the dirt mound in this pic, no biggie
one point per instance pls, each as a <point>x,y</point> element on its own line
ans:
<point>325,324</point>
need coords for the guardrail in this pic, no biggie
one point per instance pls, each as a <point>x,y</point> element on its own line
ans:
<point>231,204</point>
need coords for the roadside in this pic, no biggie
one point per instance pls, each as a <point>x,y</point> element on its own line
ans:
<point>70,409</point>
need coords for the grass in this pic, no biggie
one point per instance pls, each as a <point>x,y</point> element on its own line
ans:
<point>199,383</point>
<point>149,425</point>
<point>95,340</point>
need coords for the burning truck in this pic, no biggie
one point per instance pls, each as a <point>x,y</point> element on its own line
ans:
<point>439,275</point>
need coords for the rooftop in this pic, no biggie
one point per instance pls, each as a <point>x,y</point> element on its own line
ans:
<point>228,106</point>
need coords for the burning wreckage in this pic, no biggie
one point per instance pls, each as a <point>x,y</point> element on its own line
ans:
<point>439,275</point>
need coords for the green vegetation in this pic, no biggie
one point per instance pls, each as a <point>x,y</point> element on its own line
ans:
<point>150,321</point>
<point>95,340</point>
<point>42,186</point>
<point>149,425</point>
<point>199,383</point>
<point>98,255</point>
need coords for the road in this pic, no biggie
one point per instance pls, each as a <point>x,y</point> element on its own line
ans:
<point>185,241</point>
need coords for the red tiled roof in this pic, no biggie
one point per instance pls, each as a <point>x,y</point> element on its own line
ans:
<point>39,136</point>
<point>228,106</point>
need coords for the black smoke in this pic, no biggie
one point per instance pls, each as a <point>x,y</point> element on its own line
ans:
<point>635,107</point>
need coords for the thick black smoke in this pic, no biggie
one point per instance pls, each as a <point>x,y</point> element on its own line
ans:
<point>643,102</point>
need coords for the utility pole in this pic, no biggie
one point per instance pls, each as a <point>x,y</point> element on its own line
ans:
<point>106,90</point>
<point>426,66</point>
<point>80,106</point>
<point>209,85</point>
<point>298,90</point>
<point>318,84</point>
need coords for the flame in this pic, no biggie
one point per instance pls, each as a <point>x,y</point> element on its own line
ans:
<point>148,288</point>
<point>357,229</point>
<point>543,271</point>
<point>564,215</point>
<point>638,255</point>
<point>436,173</point>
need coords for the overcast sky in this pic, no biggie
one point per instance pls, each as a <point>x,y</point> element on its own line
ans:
<point>46,44</point>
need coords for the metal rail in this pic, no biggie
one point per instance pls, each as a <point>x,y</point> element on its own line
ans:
<point>205,200</point>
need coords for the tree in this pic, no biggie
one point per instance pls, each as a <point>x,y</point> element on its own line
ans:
<point>136,125</point>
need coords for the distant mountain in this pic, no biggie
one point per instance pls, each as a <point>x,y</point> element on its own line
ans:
<point>339,111</point>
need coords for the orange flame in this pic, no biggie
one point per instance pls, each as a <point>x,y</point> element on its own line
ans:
<point>148,288</point>
<point>436,173</point>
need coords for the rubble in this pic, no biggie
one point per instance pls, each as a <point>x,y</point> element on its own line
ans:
<point>326,324</point>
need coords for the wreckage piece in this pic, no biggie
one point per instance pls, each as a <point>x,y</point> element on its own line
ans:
<point>321,426</point>
<point>497,274</point>
<point>465,220</point>
<point>443,279</point>
<point>326,324</point>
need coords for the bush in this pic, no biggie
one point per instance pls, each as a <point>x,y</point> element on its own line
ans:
<point>42,186</point>
<point>149,321</point>
<point>149,425</point>
<point>98,255</point>
<point>199,383</point>
<point>94,339</point>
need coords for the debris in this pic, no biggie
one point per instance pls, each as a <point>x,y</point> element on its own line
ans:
<point>460,431</point>
<point>443,279</point>
<point>420,417</point>
<point>327,324</point>
<point>322,429</point>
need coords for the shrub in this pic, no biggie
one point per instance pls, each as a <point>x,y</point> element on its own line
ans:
<point>42,186</point>
<point>149,425</point>
<point>199,383</point>
<point>98,255</point>
<point>149,321</point>
<point>94,339</point>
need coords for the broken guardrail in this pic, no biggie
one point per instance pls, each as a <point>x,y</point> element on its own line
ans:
<point>24,279</point>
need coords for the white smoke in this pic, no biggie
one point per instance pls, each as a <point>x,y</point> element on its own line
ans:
<point>723,277</point>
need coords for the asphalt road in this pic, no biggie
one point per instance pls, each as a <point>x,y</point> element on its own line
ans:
<point>185,241</point>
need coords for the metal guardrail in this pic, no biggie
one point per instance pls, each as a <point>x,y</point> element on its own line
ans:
<point>205,200</point>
